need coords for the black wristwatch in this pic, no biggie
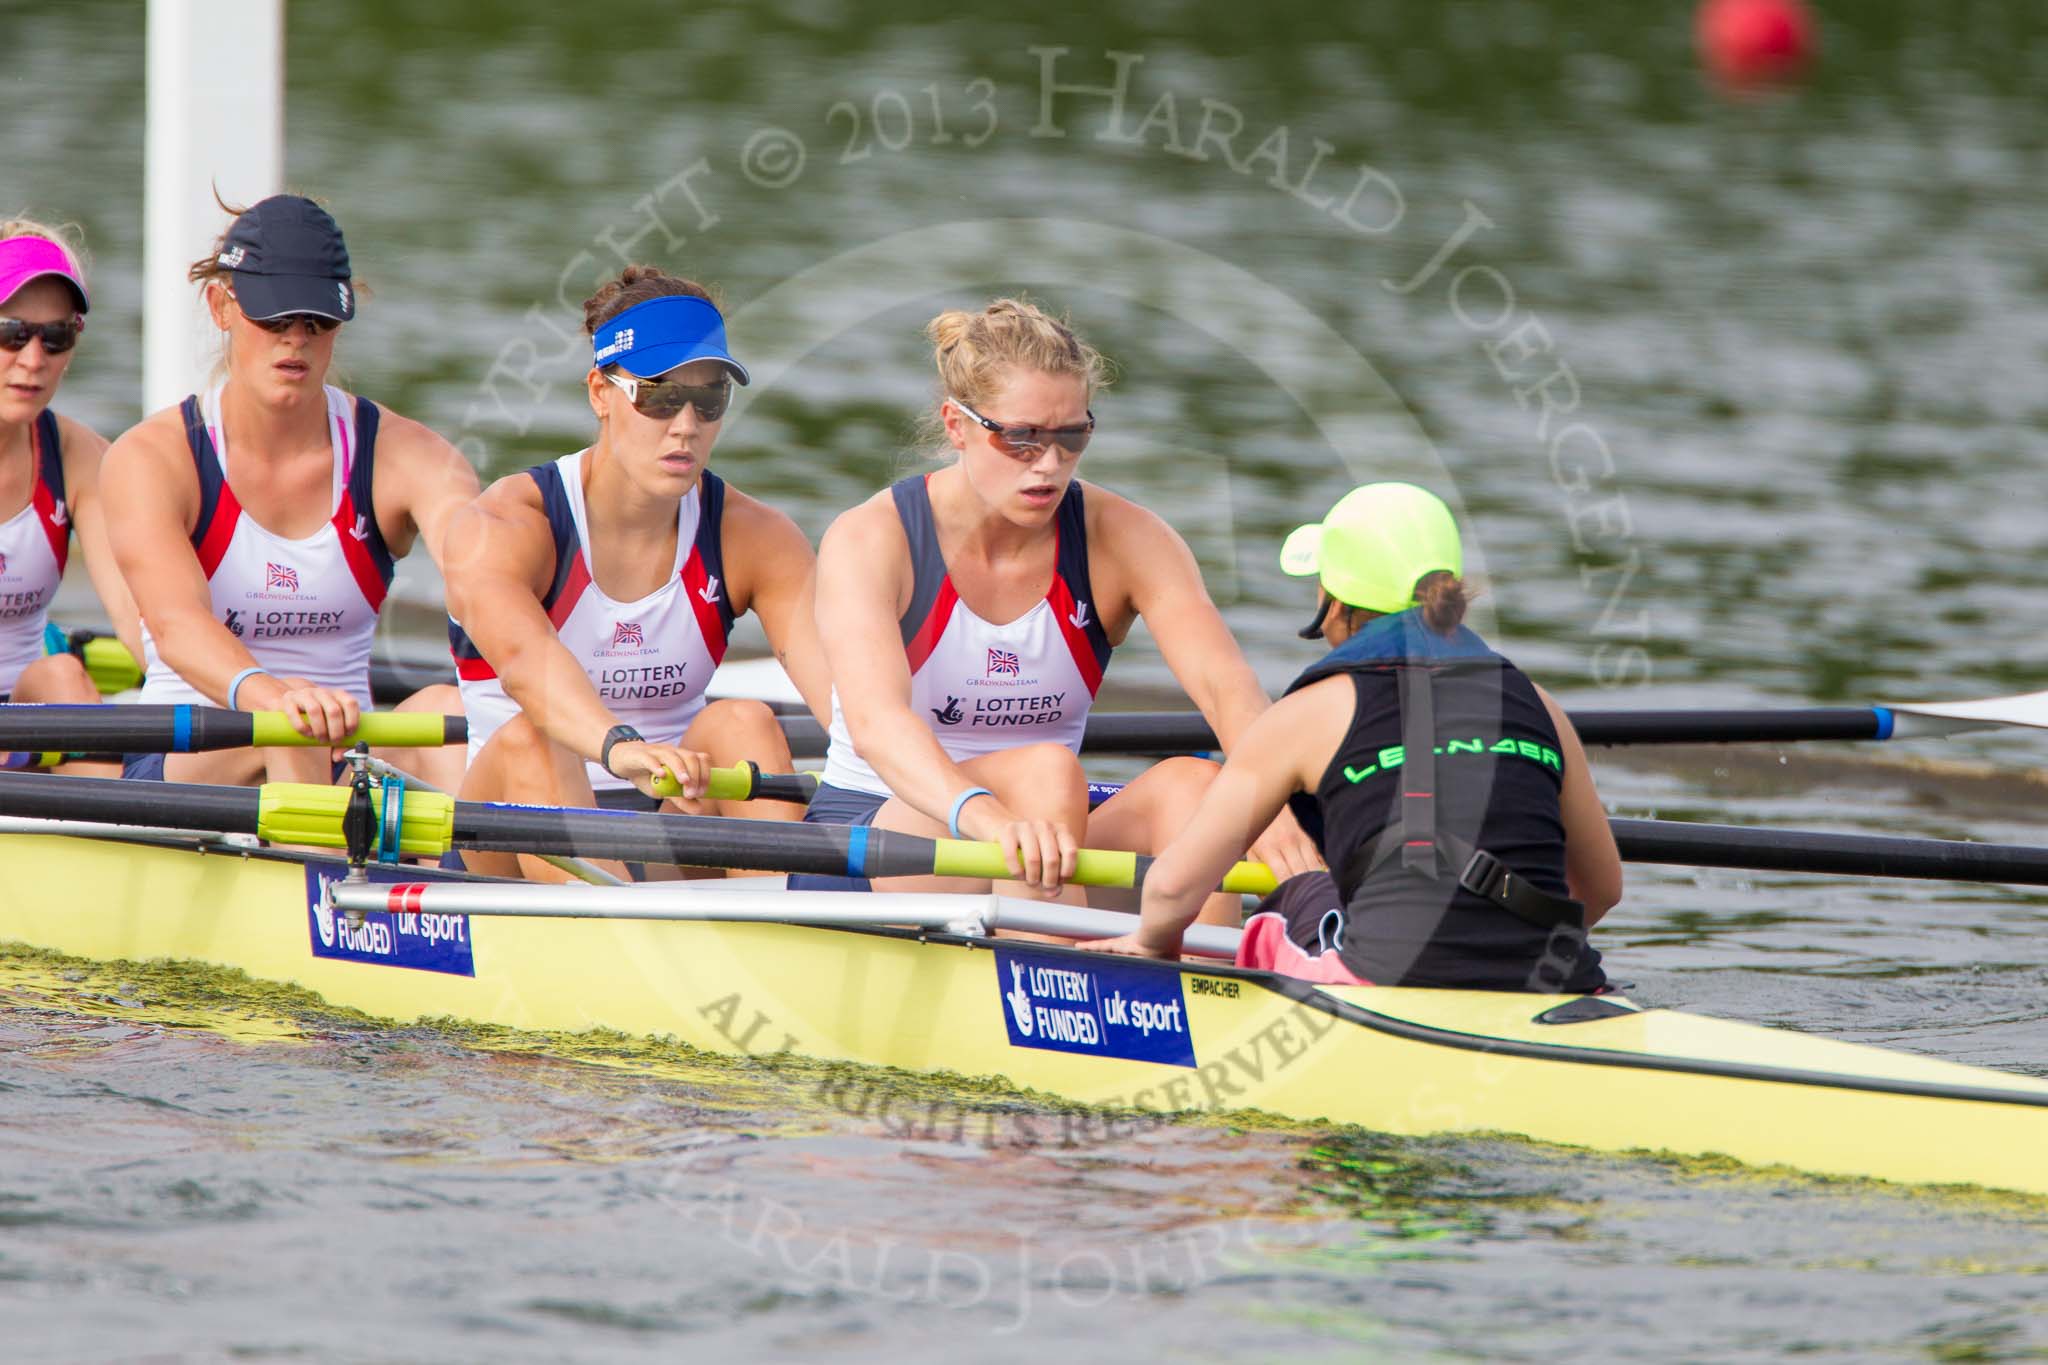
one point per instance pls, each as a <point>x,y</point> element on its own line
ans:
<point>618,734</point>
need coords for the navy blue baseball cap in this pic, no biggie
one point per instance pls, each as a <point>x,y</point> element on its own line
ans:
<point>650,339</point>
<point>287,256</point>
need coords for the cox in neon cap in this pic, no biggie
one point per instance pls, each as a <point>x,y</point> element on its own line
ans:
<point>1376,544</point>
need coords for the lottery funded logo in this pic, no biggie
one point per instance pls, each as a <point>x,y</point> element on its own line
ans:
<point>637,681</point>
<point>417,941</point>
<point>1109,1007</point>
<point>1004,699</point>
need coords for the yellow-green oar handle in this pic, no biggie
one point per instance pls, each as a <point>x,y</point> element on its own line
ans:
<point>109,664</point>
<point>1092,867</point>
<point>748,783</point>
<point>395,729</point>
<point>727,784</point>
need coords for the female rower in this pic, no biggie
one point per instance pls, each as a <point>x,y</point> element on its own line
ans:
<point>49,472</point>
<point>972,612</point>
<point>1450,793</point>
<point>594,594</point>
<point>258,522</point>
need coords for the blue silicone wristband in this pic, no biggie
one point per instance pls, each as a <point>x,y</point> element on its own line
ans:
<point>953,815</point>
<point>235,684</point>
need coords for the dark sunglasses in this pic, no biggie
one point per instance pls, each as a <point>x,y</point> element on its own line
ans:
<point>1013,439</point>
<point>58,337</point>
<point>278,326</point>
<point>662,400</point>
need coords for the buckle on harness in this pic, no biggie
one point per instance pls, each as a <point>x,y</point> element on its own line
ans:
<point>1485,876</point>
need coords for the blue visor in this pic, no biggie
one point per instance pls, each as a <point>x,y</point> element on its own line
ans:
<point>650,339</point>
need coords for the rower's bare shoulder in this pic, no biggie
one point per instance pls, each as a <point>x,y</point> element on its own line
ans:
<point>514,497</point>
<point>152,446</point>
<point>79,439</point>
<point>866,529</point>
<point>81,448</point>
<point>419,445</point>
<point>1112,516</point>
<point>753,521</point>
<point>1132,536</point>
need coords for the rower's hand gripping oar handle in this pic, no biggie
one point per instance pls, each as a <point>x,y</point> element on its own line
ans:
<point>390,729</point>
<point>747,782</point>
<point>1092,867</point>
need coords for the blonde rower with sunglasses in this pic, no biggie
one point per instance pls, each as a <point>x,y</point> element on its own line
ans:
<point>49,472</point>
<point>972,611</point>
<point>596,592</point>
<point>258,522</point>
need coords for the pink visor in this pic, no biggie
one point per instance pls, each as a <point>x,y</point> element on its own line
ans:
<point>23,259</point>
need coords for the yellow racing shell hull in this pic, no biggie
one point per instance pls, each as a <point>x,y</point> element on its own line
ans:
<point>1127,1034</point>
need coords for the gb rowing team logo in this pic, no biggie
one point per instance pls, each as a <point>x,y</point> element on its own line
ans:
<point>282,577</point>
<point>1004,664</point>
<point>627,633</point>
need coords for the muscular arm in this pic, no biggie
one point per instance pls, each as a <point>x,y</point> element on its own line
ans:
<point>1166,588</point>
<point>862,566</point>
<point>152,494</point>
<point>778,585</point>
<point>1283,751</point>
<point>84,449</point>
<point>422,482</point>
<point>1592,863</point>
<point>500,569</point>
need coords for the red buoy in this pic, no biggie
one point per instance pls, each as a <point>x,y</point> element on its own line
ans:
<point>1752,42</point>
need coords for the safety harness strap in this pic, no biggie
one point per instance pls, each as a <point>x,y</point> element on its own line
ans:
<point>1421,846</point>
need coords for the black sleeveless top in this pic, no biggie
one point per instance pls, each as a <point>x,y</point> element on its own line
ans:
<point>1499,774</point>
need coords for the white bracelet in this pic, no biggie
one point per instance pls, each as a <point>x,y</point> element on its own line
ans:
<point>235,684</point>
<point>953,816</point>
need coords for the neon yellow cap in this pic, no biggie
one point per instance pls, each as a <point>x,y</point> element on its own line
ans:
<point>1376,544</point>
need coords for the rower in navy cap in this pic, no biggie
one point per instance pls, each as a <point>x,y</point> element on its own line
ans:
<point>258,523</point>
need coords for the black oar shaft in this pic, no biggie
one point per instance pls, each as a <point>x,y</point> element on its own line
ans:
<point>1731,727</point>
<point>1175,732</point>
<point>1852,855</point>
<point>107,800</point>
<point>777,845</point>
<point>123,729</point>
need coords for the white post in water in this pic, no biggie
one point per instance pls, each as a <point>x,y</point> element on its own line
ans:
<point>215,118</point>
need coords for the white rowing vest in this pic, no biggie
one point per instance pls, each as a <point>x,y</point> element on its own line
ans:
<point>984,687</point>
<point>650,659</point>
<point>305,608</point>
<point>34,544</point>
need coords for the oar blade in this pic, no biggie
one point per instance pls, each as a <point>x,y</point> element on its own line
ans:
<point>2028,710</point>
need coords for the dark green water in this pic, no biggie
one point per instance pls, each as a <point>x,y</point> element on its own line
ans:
<point>1797,345</point>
